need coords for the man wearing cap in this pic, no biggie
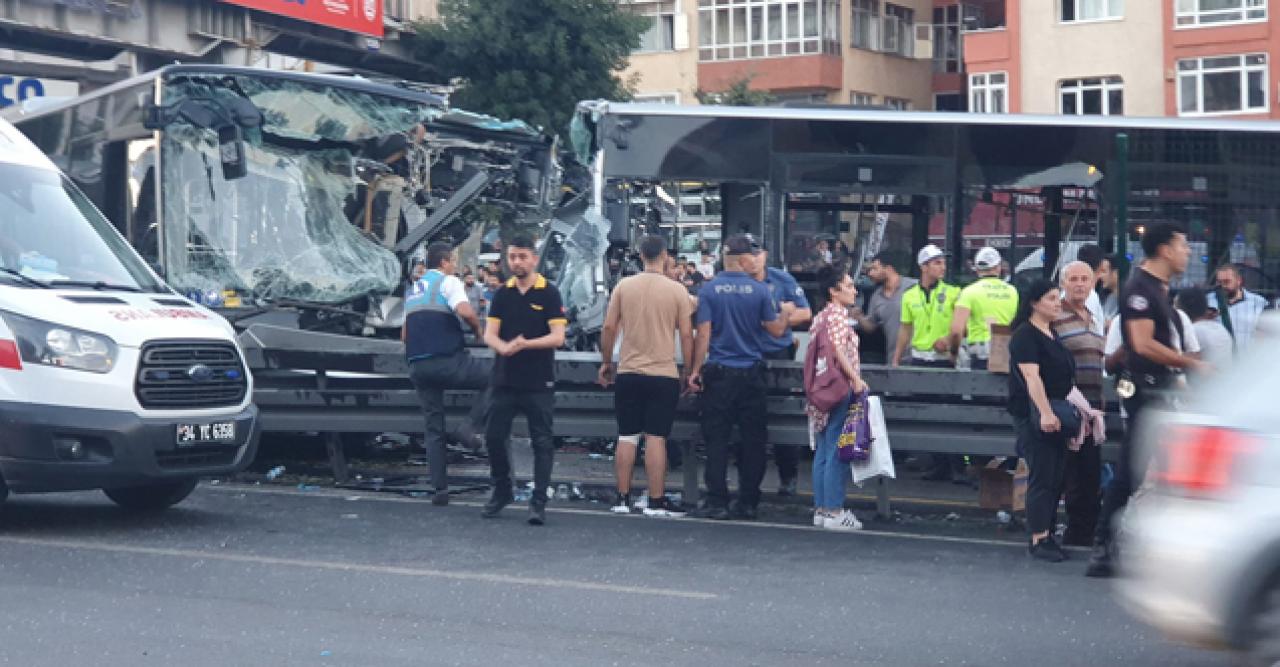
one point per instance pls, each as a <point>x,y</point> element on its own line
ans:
<point>926,314</point>
<point>732,309</point>
<point>782,289</point>
<point>988,301</point>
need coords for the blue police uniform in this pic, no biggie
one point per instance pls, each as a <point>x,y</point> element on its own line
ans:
<point>734,390</point>
<point>783,288</point>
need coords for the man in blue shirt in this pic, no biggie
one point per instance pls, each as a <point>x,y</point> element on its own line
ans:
<point>437,355</point>
<point>733,308</point>
<point>783,289</point>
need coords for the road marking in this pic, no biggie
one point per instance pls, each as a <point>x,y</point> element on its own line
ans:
<point>485,577</point>
<point>383,497</point>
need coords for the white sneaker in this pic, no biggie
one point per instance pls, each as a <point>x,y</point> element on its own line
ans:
<point>819,519</point>
<point>844,521</point>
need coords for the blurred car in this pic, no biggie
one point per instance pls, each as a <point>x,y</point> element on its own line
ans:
<point>1200,542</point>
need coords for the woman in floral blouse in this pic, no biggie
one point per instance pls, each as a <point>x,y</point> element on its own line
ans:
<point>829,473</point>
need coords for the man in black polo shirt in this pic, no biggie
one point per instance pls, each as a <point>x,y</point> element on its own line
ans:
<point>525,326</point>
<point>1147,323</point>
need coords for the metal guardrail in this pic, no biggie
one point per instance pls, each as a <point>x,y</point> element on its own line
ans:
<point>308,382</point>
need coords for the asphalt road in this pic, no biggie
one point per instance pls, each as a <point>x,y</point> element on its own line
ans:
<point>245,575</point>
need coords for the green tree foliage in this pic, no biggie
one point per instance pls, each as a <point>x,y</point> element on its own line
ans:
<point>738,94</point>
<point>531,59</point>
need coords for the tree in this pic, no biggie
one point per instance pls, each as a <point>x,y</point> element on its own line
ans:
<point>531,59</point>
<point>738,94</point>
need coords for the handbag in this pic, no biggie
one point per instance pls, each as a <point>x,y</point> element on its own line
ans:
<point>825,385</point>
<point>854,443</point>
<point>1066,413</point>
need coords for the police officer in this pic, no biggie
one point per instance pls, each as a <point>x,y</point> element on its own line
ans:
<point>732,309</point>
<point>526,324</point>
<point>435,349</point>
<point>1148,324</point>
<point>783,288</point>
<point>988,301</point>
<point>927,308</point>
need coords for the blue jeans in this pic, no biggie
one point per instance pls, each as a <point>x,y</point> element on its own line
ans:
<point>830,475</point>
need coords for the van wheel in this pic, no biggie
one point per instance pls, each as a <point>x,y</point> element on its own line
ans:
<point>1264,648</point>
<point>152,497</point>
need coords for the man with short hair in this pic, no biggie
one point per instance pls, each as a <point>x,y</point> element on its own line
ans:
<point>1148,323</point>
<point>1216,347</point>
<point>475,293</point>
<point>1243,307</point>
<point>783,288</point>
<point>884,309</point>
<point>927,309</point>
<point>732,308</point>
<point>1091,254</point>
<point>648,310</point>
<point>988,301</point>
<point>526,324</point>
<point>707,267</point>
<point>1083,470</point>
<point>436,352</point>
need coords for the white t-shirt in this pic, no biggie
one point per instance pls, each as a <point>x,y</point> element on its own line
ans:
<point>1215,343</point>
<point>1115,337</point>
<point>708,271</point>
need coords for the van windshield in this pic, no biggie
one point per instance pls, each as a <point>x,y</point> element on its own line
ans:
<point>51,234</point>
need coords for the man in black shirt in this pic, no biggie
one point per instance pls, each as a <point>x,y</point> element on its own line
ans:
<point>525,326</point>
<point>1147,322</point>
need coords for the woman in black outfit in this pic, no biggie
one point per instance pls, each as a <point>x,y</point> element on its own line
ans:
<point>1041,370</point>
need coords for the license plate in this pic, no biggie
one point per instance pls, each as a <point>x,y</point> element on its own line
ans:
<point>215,433</point>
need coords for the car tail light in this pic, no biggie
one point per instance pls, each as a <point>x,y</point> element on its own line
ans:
<point>1201,461</point>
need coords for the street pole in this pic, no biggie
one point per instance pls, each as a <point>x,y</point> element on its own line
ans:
<point>1121,195</point>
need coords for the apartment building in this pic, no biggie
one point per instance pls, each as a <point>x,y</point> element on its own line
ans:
<point>1132,57</point>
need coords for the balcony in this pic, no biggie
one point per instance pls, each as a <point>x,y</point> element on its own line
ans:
<point>811,72</point>
<point>987,46</point>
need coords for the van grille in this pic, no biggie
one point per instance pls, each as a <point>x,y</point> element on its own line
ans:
<point>172,375</point>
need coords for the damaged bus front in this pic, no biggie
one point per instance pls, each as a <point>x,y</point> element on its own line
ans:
<point>295,201</point>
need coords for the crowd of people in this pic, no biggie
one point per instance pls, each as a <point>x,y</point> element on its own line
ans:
<point>1068,338</point>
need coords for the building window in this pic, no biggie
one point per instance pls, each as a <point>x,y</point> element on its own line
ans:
<point>801,99</point>
<point>656,98</point>
<point>661,32</point>
<point>1190,13</point>
<point>897,104</point>
<point>739,29</point>
<point>861,99</point>
<point>866,23</point>
<point>948,53</point>
<point>1092,10</point>
<point>989,92</point>
<point>899,30</point>
<point>1092,97</point>
<point>1222,85</point>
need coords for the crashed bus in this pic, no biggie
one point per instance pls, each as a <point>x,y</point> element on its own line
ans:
<point>261,185</point>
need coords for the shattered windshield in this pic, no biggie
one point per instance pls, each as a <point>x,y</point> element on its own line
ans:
<point>327,188</point>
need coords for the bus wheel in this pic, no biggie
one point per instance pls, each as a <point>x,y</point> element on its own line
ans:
<point>152,497</point>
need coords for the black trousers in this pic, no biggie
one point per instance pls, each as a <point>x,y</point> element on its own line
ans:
<point>1046,456</point>
<point>431,377</point>
<point>538,408</point>
<point>1127,468</point>
<point>734,396</point>
<point>1083,484</point>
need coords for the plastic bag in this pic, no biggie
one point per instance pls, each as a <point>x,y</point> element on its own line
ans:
<point>880,461</point>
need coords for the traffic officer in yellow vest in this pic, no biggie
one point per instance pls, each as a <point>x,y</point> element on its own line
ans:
<point>987,301</point>
<point>926,314</point>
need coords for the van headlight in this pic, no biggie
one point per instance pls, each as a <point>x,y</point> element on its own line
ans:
<point>50,344</point>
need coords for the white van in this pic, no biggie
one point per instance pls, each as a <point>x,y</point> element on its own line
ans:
<point>108,380</point>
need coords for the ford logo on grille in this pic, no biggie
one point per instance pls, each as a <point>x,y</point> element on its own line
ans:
<point>200,373</point>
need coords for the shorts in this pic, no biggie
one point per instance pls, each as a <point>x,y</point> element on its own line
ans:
<point>645,404</point>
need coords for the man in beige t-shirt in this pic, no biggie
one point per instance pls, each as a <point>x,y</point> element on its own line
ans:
<point>648,310</point>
